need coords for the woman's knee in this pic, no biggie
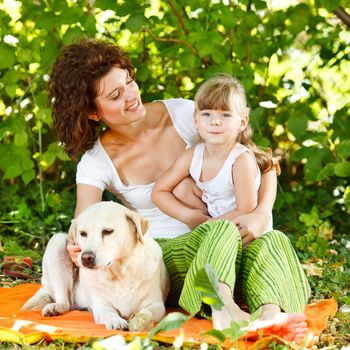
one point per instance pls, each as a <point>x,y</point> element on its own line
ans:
<point>279,235</point>
<point>275,236</point>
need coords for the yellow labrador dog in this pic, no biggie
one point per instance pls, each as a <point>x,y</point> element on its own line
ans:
<point>121,277</point>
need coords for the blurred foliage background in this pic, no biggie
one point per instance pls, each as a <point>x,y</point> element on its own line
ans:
<point>292,57</point>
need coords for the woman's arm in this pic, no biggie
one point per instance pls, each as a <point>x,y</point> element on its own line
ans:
<point>164,198</point>
<point>252,225</point>
<point>86,196</point>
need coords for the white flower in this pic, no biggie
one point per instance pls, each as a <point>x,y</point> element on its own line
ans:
<point>178,341</point>
<point>203,346</point>
<point>116,342</point>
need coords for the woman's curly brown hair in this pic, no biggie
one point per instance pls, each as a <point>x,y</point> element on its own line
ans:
<point>73,86</point>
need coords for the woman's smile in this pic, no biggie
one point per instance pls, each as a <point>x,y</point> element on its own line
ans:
<point>134,107</point>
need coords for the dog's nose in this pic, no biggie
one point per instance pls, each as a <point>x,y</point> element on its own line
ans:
<point>88,259</point>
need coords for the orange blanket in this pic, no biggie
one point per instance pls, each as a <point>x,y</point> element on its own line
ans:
<point>77,326</point>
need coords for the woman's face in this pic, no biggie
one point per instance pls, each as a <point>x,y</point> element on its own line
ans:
<point>118,102</point>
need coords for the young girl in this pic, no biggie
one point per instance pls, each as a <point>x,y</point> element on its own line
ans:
<point>225,166</point>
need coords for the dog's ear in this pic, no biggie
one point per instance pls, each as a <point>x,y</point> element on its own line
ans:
<point>72,232</point>
<point>140,224</point>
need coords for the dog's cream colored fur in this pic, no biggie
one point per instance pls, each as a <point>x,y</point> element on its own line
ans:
<point>126,283</point>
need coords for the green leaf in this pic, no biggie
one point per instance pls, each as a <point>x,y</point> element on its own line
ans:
<point>171,321</point>
<point>219,335</point>
<point>21,138</point>
<point>326,172</point>
<point>12,170</point>
<point>313,165</point>
<point>235,330</point>
<point>343,148</point>
<point>330,5</point>
<point>297,124</point>
<point>28,176</point>
<point>11,90</point>
<point>12,76</point>
<point>72,35</point>
<point>41,100</point>
<point>49,53</point>
<point>206,282</point>
<point>105,4</point>
<point>342,169</point>
<point>8,56</point>
<point>135,22</point>
<point>347,199</point>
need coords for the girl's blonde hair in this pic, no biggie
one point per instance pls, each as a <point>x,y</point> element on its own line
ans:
<point>223,91</point>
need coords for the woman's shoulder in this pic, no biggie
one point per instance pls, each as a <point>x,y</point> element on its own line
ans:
<point>94,155</point>
<point>171,106</point>
<point>179,105</point>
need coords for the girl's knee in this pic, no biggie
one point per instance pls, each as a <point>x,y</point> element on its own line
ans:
<point>226,226</point>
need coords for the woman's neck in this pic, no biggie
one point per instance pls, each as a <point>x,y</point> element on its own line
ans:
<point>134,132</point>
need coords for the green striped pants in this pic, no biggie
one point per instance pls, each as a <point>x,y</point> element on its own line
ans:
<point>266,272</point>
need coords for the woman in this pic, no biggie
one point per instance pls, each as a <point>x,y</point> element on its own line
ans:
<point>93,82</point>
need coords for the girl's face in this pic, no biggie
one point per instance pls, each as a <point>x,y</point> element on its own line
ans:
<point>118,102</point>
<point>218,126</point>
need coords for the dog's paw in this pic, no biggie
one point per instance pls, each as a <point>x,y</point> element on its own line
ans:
<point>37,303</point>
<point>140,322</point>
<point>116,322</point>
<point>54,309</point>
<point>111,321</point>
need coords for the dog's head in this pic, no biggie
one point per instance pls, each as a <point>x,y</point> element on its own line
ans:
<point>106,232</point>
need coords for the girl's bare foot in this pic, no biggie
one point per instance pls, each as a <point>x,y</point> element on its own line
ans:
<point>231,312</point>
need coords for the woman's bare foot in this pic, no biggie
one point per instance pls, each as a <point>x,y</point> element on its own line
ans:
<point>231,312</point>
<point>291,327</point>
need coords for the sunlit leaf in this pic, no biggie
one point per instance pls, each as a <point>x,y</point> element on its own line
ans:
<point>171,321</point>
<point>21,138</point>
<point>206,282</point>
<point>217,334</point>
<point>297,124</point>
<point>135,21</point>
<point>28,176</point>
<point>7,56</point>
<point>342,169</point>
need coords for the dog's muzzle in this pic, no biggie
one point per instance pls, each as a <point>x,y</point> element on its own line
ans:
<point>88,259</point>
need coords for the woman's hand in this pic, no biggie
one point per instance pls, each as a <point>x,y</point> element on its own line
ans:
<point>73,252</point>
<point>251,226</point>
<point>196,218</point>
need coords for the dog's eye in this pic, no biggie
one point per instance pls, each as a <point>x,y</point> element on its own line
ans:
<point>83,234</point>
<point>107,231</point>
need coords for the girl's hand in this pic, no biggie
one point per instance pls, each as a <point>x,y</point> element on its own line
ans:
<point>251,226</point>
<point>73,252</point>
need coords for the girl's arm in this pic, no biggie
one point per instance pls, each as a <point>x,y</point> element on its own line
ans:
<point>163,197</point>
<point>252,225</point>
<point>244,171</point>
